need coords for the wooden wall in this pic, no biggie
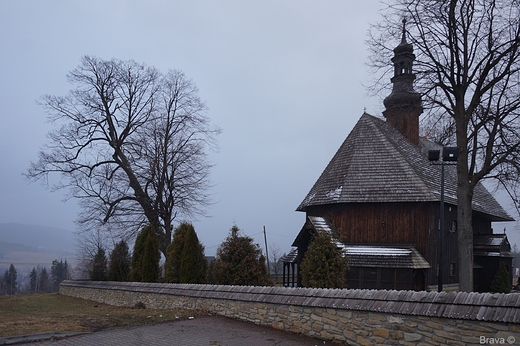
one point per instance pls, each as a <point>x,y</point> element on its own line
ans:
<point>380,222</point>
<point>410,223</point>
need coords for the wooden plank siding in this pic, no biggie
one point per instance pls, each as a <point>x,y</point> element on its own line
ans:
<point>411,223</point>
<point>449,250</point>
<point>380,222</point>
<point>481,224</point>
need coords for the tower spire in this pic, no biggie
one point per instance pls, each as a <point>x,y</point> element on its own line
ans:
<point>404,105</point>
<point>403,37</point>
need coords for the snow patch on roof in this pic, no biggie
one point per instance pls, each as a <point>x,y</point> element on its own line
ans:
<point>376,251</point>
<point>334,194</point>
<point>320,224</point>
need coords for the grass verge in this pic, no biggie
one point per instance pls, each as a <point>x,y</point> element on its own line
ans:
<point>41,313</point>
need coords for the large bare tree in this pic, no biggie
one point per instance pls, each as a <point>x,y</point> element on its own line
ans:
<point>131,144</point>
<point>468,67</point>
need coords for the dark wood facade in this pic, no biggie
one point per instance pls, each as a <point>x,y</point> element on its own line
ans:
<point>404,223</point>
<point>380,222</point>
<point>385,278</point>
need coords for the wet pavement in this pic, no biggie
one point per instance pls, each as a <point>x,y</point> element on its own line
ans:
<point>202,331</point>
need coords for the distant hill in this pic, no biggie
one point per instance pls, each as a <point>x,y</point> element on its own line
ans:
<point>27,246</point>
<point>43,238</point>
<point>10,247</point>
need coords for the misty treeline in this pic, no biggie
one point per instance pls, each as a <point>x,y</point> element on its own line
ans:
<point>239,261</point>
<point>39,280</point>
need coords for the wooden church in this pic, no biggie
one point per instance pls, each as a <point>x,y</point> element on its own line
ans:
<point>379,197</point>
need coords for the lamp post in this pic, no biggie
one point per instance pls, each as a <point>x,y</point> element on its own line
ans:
<point>449,154</point>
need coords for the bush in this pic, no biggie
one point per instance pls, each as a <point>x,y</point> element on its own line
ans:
<point>119,265</point>
<point>193,264</point>
<point>99,266</point>
<point>185,260</point>
<point>150,270</point>
<point>174,254</point>
<point>501,282</point>
<point>323,265</point>
<point>146,256</point>
<point>240,262</point>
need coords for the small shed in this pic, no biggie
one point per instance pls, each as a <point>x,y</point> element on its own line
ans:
<point>490,251</point>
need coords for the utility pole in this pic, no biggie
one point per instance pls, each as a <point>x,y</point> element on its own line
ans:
<point>448,154</point>
<point>267,252</point>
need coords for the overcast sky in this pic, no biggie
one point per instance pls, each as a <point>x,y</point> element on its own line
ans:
<point>283,79</point>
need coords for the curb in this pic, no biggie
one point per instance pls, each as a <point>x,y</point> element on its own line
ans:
<point>17,339</point>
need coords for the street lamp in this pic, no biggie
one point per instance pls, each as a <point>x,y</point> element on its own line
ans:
<point>449,154</point>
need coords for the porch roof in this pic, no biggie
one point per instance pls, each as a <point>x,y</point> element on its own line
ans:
<point>385,256</point>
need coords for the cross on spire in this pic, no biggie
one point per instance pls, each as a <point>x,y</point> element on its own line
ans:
<point>403,37</point>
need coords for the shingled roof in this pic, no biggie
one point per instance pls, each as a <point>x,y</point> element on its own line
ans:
<point>385,256</point>
<point>377,164</point>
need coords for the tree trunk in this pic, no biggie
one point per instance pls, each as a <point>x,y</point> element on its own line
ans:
<point>465,235</point>
<point>140,196</point>
<point>464,212</point>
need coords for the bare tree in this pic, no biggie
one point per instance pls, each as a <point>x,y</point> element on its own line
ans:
<point>275,266</point>
<point>468,62</point>
<point>88,243</point>
<point>131,145</point>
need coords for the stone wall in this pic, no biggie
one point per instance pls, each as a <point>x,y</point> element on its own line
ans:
<point>354,317</point>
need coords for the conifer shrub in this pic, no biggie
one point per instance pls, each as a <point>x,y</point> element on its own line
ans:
<point>501,282</point>
<point>174,254</point>
<point>240,262</point>
<point>185,261</point>
<point>137,255</point>
<point>193,264</point>
<point>146,256</point>
<point>119,263</point>
<point>99,266</point>
<point>150,269</point>
<point>324,264</point>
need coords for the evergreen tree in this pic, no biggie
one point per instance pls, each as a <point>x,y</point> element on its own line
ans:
<point>59,272</point>
<point>323,265</point>
<point>33,280</point>
<point>3,282</point>
<point>44,281</point>
<point>137,254</point>
<point>501,282</point>
<point>185,262</point>
<point>99,266</point>
<point>10,283</point>
<point>119,265</point>
<point>240,262</point>
<point>174,254</point>
<point>150,270</point>
<point>193,264</point>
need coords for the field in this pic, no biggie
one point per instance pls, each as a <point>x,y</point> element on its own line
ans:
<point>40,313</point>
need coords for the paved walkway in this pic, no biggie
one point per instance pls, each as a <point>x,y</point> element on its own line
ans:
<point>202,331</point>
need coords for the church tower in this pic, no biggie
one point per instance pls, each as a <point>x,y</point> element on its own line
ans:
<point>404,105</point>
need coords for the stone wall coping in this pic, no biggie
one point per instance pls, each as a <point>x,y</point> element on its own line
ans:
<point>496,307</point>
